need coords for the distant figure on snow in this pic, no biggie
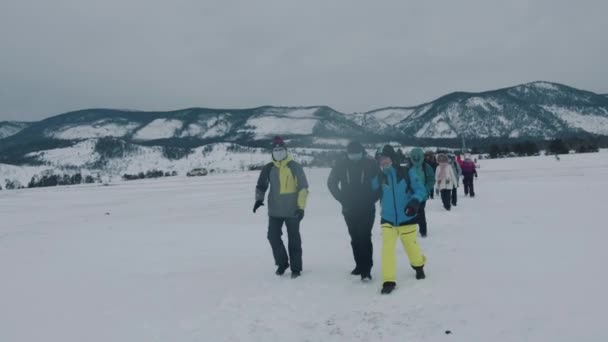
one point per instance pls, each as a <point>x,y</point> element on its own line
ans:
<point>469,170</point>
<point>425,173</point>
<point>458,172</point>
<point>445,178</point>
<point>286,204</point>
<point>354,183</point>
<point>429,158</point>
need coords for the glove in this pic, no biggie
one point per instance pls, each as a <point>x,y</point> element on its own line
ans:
<point>437,191</point>
<point>257,205</point>
<point>300,214</point>
<point>412,208</point>
<point>475,175</point>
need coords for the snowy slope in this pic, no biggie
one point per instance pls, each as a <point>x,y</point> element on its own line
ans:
<point>79,155</point>
<point>382,119</point>
<point>281,121</point>
<point>596,124</point>
<point>159,129</point>
<point>97,129</point>
<point>211,127</point>
<point>10,128</point>
<point>184,259</point>
<point>84,157</point>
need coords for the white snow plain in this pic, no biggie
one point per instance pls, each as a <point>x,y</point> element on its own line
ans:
<point>185,259</point>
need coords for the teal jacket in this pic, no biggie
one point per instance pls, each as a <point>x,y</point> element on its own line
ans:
<point>397,194</point>
<point>423,170</point>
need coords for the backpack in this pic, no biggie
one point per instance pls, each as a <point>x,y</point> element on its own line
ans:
<point>403,171</point>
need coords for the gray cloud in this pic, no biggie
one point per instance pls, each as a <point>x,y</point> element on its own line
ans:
<point>353,55</point>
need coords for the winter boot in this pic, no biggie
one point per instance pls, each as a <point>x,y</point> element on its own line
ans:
<point>388,287</point>
<point>281,270</point>
<point>356,271</point>
<point>366,276</point>
<point>295,274</point>
<point>419,272</point>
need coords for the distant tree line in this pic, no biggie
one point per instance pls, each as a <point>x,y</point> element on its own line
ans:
<point>530,148</point>
<point>148,174</point>
<point>56,180</point>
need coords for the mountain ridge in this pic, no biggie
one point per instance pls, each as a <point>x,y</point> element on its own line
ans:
<point>537,110</point>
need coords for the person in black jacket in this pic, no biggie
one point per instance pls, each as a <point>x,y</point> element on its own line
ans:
<point>429,158</point>
<point>351,182</point>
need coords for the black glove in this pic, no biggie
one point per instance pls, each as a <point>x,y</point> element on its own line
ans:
<point>257,205</point>
<point>412,208</point>
<point>300,214</point>
<point>475,175</point>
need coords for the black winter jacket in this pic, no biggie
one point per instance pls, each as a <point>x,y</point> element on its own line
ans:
<point>350,183</point>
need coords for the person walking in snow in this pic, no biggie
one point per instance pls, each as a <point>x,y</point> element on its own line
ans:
<point>402,193</point>
<point>429,158</point>
<point>424,172</point>
<point>469,170</point>
<point>286,204</point>
<point>445,179</point>
<point>458,172</point>
<point>354,183</point>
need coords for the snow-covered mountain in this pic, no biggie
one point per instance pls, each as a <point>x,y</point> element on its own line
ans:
<point>534,110</point>
<point>123,141</point>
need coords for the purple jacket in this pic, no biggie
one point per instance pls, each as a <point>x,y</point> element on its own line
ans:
<point>468,168</point>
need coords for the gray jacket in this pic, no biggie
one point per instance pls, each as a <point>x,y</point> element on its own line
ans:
<point>288,188</point>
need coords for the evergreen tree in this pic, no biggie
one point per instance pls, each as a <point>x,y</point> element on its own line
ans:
<point>558,146</point>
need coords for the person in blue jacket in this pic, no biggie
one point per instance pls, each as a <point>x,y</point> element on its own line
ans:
<point>402,193</point>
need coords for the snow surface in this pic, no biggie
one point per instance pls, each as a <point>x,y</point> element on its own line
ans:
<point>588,122</point>
<point>184,259</point>
<point>159,129</point>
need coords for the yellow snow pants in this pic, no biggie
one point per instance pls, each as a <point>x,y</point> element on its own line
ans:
<point>408,239</point>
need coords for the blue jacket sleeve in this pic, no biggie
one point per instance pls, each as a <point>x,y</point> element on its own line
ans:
<point>419,188</point>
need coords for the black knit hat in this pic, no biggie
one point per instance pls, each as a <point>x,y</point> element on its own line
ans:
<point>388,151</point>
<point>354,147</point>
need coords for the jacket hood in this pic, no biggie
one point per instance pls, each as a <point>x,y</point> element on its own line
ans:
<point>417,156</point>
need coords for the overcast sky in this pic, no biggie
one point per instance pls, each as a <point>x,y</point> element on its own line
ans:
<point>63,55</point>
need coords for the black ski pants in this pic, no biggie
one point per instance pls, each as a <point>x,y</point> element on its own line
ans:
<point>454,196</point>
<point>468,185</point>
<point>360,226</point>
<point>446,196</point>
<point>422,218</point>
<point>275,231</point>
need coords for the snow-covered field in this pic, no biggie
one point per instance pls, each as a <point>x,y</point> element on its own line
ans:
<point>181,259</point>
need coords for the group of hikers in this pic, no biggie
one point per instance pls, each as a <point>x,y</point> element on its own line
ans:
<point>403,184</point>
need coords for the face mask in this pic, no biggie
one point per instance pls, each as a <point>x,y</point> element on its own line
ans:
<point>355,156</point>
<point>279,154</point>
<point>385,163</point>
